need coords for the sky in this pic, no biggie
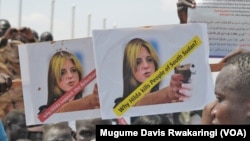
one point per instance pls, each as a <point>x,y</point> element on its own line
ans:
<point>71,17</point>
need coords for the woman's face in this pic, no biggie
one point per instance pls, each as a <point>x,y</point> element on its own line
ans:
<point>145,65</point>
<point>70,76</point>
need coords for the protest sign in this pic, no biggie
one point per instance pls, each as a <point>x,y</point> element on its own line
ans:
<point>176,47</point>
<point>228,24</point>
<point>55,74</point>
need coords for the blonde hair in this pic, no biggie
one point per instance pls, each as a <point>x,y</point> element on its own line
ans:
<point>54,74</point>
<point>131,52</point>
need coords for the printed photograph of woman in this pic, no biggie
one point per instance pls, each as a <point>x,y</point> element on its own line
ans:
<point>66,71</point>
<point>139,63</point>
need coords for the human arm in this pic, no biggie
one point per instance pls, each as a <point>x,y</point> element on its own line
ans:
<point>6,83</point>
<point>206,117</point>
<point>182,9</point>
<point>90,101</point>
<point>171,93</point>
<point>215,67</point>
<point>237,51</point>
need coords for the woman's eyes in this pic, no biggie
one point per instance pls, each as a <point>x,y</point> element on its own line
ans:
<point>73,70</point>
<point>138,61</point>
<point>148,60</point>
<point>64,71</point>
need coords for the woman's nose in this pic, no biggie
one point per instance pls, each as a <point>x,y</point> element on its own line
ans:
<point>145,64</point>
<point>69,74</point>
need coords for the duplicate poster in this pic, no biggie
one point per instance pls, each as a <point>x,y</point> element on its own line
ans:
<point>34,60</point>
<point>182,46</point>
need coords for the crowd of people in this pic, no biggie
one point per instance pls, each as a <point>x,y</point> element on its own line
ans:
<point>230,106</point>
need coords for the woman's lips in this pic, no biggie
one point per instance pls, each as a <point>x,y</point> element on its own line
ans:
<point>72,83</point>
<point>147,74</point>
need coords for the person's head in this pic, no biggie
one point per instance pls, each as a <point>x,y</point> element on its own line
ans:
<point>58,132</point>
<point>35,132</point>
<point>65,71</point>
<point>24,140</point>
<point>4,26</point>
<point>152,120</point>
<point>35,34</point>
<point>86,129</point>
<point>139,62</point>
<point>15,125</point>
<point>46,36</point>
<point>232,92</point>
<point>23,34</point>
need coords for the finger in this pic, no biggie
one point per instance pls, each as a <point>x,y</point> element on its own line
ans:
<point>176,86</point>
<point>177,77</point>
<point>185,93</point>
<point>206,113</point>
<point>183,99</point>
<point>176,80</point>
<point>209,107</point>
<point>187,86</point>
<point>186,3</point>
<point>192,1</point>
<point>175,90</point>
<point>16,82</point>
<point>178,98</point>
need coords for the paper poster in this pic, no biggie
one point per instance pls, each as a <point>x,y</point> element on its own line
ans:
<point>228,24</point>
<point>55,74</point>
<point>130,79</point>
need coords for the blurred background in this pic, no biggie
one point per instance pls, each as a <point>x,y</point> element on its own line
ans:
<point>67,19</point>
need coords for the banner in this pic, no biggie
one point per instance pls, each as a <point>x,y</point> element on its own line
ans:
<point>228,24</point>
